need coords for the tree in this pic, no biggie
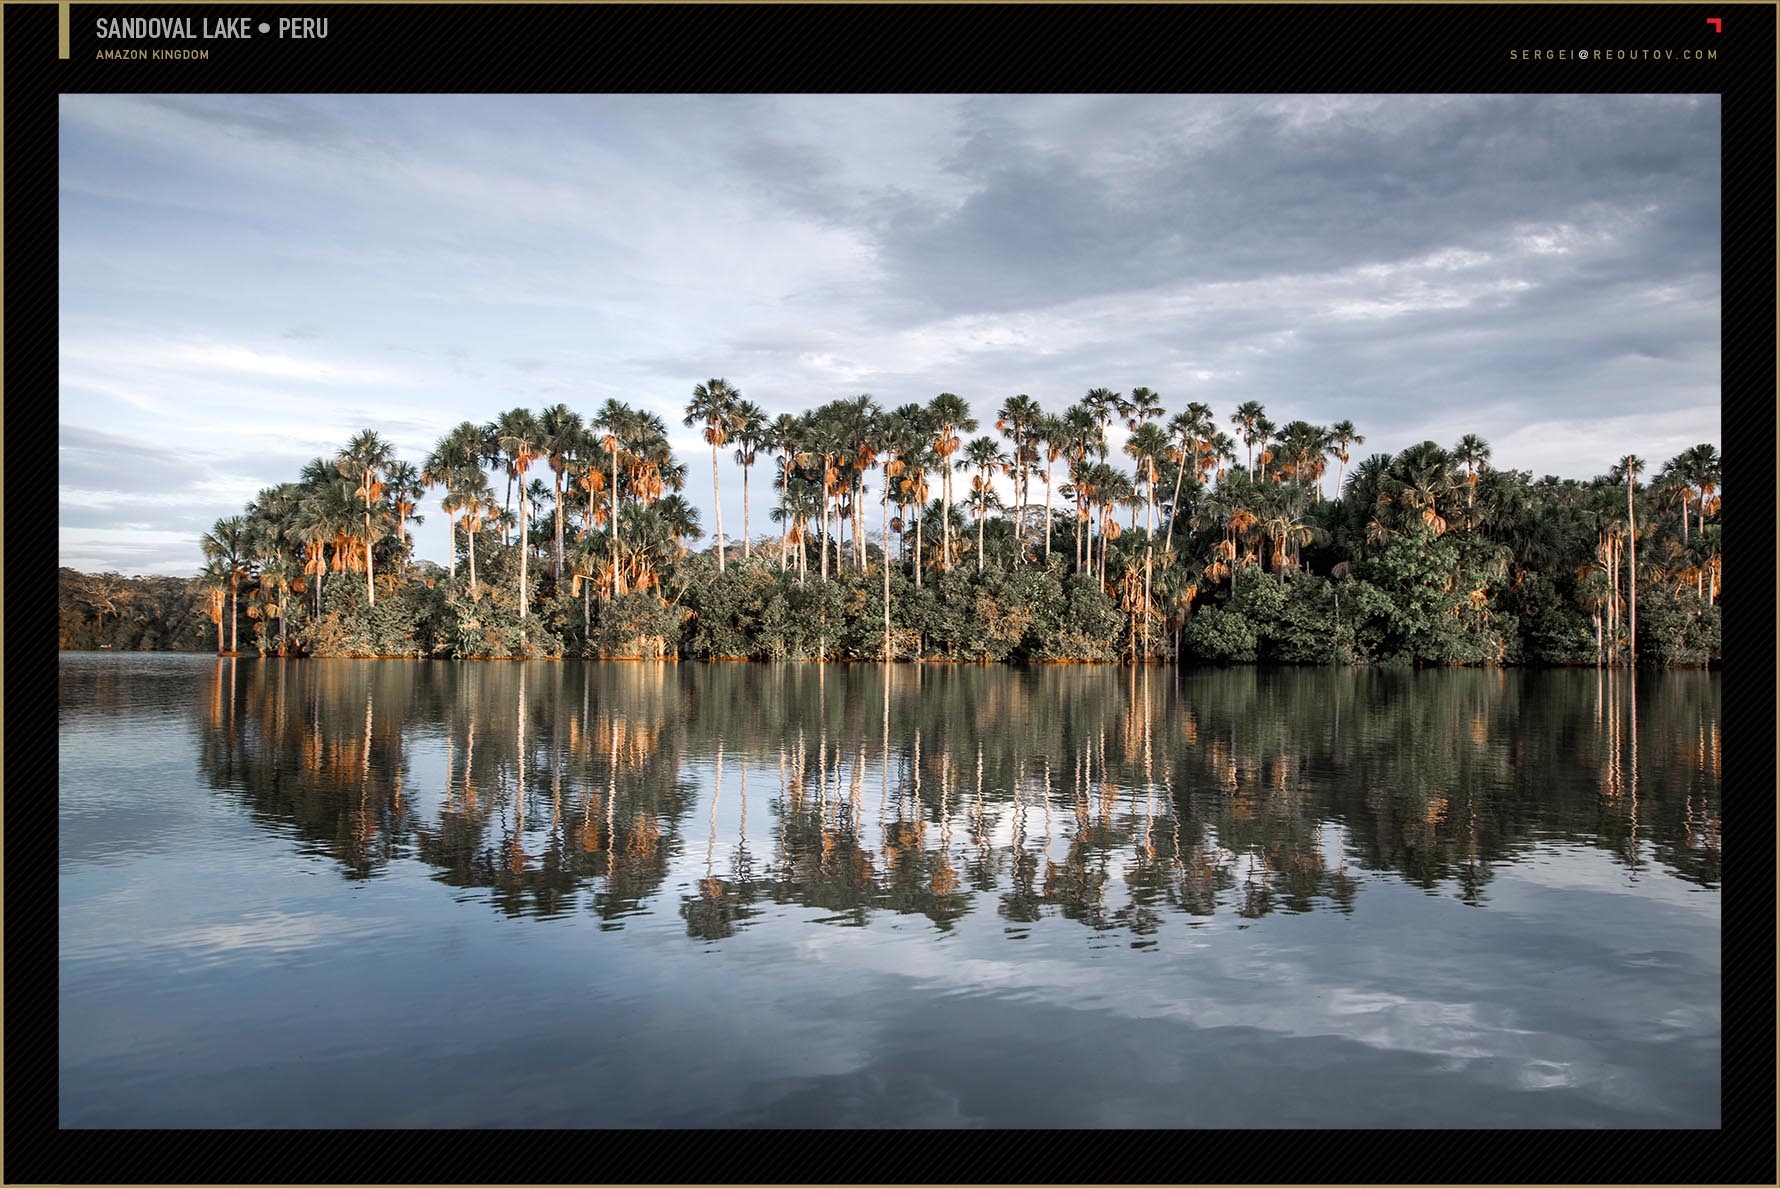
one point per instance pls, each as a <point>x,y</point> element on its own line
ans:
<point>752,432</point>
<point>1472,452</point>
<point>470,496</point>
<point>713,404</point>
<point>1704,469</point>
<point>984,455</point>
<point>456,454</point>
<point>615,421</point>
<point>1631,466</point>
<point>405,488</point>
<point>363,462</point>
<point>949,416</point>
<point>1249,419</point>
<point>1019,419</point>
<point>1342,438</point>
<point>1189,434</point>
<point>563,438</point>
<point>521,440</point>
<point>229,544</point>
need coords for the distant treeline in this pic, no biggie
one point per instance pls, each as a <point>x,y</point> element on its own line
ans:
<point>1208,548</point>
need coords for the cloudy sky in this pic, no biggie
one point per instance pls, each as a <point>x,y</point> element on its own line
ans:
<point>246,281</point>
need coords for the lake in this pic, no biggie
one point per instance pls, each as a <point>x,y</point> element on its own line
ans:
<point>387,893</point>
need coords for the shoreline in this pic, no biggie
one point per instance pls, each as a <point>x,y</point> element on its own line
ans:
<point>936,661</point>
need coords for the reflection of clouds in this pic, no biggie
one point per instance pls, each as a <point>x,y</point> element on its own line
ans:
<point>1511,1029</point>
<point>272,932</point>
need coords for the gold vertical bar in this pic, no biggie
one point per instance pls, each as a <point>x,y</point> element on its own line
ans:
<point>62,29</point>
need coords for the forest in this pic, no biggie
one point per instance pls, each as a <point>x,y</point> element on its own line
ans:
<point>922,532</point>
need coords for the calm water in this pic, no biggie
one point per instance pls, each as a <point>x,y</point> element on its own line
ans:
<point>335,893</point>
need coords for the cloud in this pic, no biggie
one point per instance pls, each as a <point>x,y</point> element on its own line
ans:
<point>1422,265</point>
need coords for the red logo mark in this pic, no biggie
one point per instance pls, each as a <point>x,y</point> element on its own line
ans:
<point>1717,24</point>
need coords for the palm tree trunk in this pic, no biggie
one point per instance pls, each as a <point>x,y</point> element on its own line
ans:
<point>747,536</point>
<point>920,514</point>
<point>234,612</point>
<point>470,535</point>
<point>451,535</point>
<point>1632,559</point>
<point>1047,512</point>
<point>945,524</point>
<point>718,500</point>
<point>617,588</point>
<point>525,544</point>
<point>1180,476</point>
<point>559,525</point>
<point>886,567</point>
<point>370,586</point>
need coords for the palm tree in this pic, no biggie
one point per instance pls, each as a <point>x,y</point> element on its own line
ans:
<point>949,416</point>
<point>405,489</point>
<point>1342,438</point>
<point>1052,433</point>
<point>1704,469</point>
<point>984,455</point>
<point>456,454</point>
<point>752,432</point>
<point>474,497</point>
<point>713,403</point>
<point>1249,418</point>
<point>1148,442</point>
<point>229,543</point>
<point>1019,419</point>
<point>615,421</point>
<point>1631,466</point>
<point>1473,452</point>
<point>361,462</point>
<point>1188,431</point>
<point>564,437</point>
<point>857,425</point>
<point>214,579</point>
<point>521,440</point>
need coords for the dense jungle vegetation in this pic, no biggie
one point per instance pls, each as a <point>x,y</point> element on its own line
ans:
<point>1034,542</point>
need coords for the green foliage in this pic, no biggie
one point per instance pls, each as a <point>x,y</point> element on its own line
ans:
<point>1220,637</point>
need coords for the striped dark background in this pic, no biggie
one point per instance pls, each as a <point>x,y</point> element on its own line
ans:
<point>488,48</point>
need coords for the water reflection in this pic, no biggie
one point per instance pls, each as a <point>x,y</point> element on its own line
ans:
<point>1130,802</point>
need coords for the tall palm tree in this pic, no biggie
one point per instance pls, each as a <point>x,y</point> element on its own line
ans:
<point>1019,419</point>
<point>1342,438</point>
<point>473,496</point>
<point>752,432</point>
<point>1148,443</point>
<point>1631,466</point>
<point>1473,453</point>
<point>1704,467</point>
<point>615,421</point>
<point>229,543</point>
<point>949,416</point>
<point>364,462</point>
<point>857,422</point>
<point>1187,431</point>
<point>984,455</point>
<point>457,453</point>
<point>564,436</point>
<point>1249,418</point>
<point>405,488</point>
<point>214,580</point>
<point>1080,436</point>
<point>1052,433</point>
<point>712,404</point>
<point>521,440</point>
